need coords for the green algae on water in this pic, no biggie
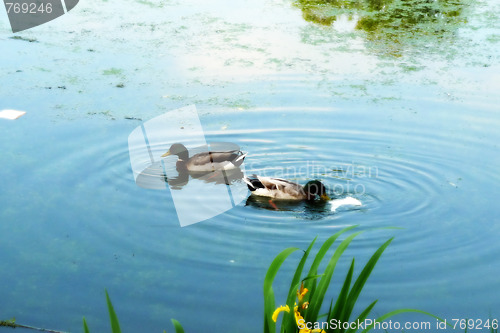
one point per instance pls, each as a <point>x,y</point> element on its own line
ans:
<point>376,14</point>
<point>399,22</point>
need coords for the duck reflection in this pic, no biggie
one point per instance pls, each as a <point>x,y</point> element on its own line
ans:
<point>218,177</point>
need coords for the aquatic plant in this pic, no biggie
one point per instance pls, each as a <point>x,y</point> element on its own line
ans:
<point>301,312</point>
<point>306,295</point>
<point>113,319</point>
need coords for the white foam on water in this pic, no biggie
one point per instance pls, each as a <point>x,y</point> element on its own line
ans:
<point>349,201</point>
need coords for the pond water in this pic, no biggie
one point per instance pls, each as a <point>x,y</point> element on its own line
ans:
<point>410,128</point>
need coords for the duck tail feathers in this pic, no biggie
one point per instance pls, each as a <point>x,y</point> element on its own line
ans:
<point>239,160</point>
<point>248,182</point>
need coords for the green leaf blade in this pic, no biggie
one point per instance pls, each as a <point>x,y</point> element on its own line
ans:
<point>288,323</point>
<point>361,280</point>
<point>115,325</point>
<point>269,303</point>
<point>362,317</point>
<point>342,298</point>
<point>311,285</point>
<point>85,327</point>
<point>178,327</point>
<point>319,293</point>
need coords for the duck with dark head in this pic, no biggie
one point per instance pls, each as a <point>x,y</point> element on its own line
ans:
<point>282,189</point>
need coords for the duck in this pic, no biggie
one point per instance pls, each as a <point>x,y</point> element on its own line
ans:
<point>208,161</point>
<point>282,189</point>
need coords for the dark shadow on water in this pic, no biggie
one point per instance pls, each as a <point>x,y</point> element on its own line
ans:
<point>312,210</point>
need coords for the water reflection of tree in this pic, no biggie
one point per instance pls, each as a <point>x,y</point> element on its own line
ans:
<point>390,20</point>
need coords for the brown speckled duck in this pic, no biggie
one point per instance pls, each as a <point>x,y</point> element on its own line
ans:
<point>205,161</point>
<point>277,188</point>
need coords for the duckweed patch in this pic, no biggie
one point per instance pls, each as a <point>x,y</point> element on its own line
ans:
<point>26,39</point>
<point>112,71</point>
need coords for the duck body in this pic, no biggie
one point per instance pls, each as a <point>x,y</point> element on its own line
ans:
<point>282,189</point>
<point>206,161</point>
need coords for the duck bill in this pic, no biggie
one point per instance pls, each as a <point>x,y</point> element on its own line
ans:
<point>166,154</point>
<point>325,197</point>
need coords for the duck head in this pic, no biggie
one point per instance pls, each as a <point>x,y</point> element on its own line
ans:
<point>177,149</point>
<point>314,189</point>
